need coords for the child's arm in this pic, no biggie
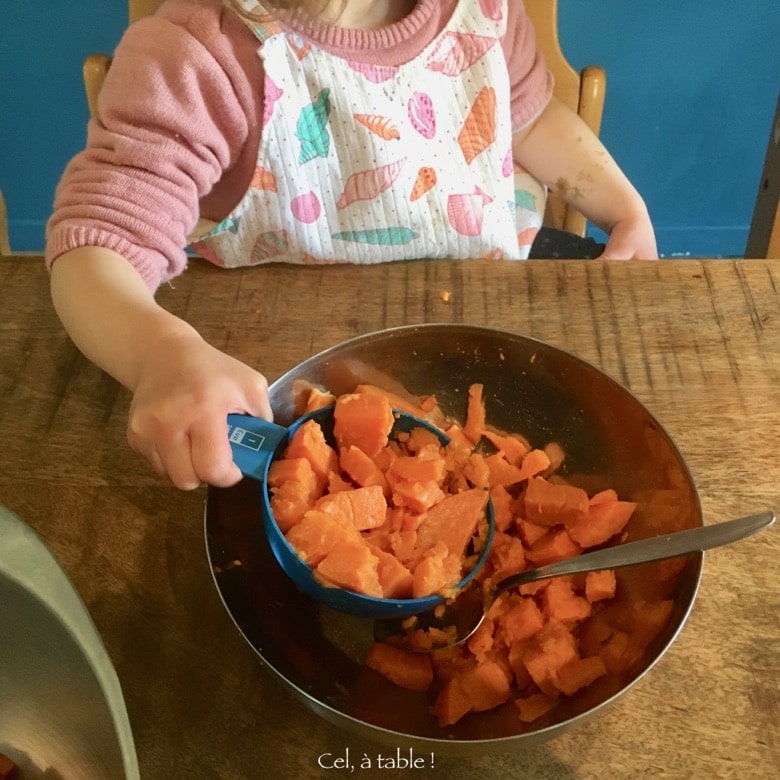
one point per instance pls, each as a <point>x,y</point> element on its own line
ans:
<point>561,151</point>
<point>183,388</point>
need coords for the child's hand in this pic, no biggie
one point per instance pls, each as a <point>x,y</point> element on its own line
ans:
<point>632,238</point>
<point>178,417</point>
<point>183,388</point>
<point>561,151</point>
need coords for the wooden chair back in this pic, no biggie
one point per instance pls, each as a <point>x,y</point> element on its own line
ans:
<point>764,236</point>
<point>96,66</point>
<point>5,246</point>
<point>583,92</point>
<point>140,8</point>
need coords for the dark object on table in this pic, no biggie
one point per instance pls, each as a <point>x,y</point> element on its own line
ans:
<point>7,768</point>
<point>553,244</point>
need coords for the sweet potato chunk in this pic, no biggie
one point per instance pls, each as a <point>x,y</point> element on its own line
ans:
<point>350,564</point>
<point>553,504</point>
<point>413,671</point>
<point>603,520</point>
<point>308,442</point>
<point>363,421</point>
<point>475,414</point>
<point>363,507</point>
<point>453,521</point>
<point>317,534</point>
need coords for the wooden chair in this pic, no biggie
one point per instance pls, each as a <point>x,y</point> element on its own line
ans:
<point>583,92</point>
<point>764,236</point>
<point>5,246</point>
<point>96,65</point>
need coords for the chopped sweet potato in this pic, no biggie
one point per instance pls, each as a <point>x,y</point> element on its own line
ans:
<point>512,446</point>
<point>508,557</point>
<point>297,470</point>
<point>403,543</point>
<point>362,469</point>
<point>553,504</point>
<point>504,507</point>
<point>318,533</point>
<point>422,439</point>
<point>308,442</point>
<point>318,399</point>
<point>481,642</point>
<point>578,673</point>
<point>532,707</point>
<point>521,621</point>
<point>502,472</point>
<point>364,421</point>
<point>551,648</point>
<point>451,704</point>
<point>453,521</point>
<point>431,575</point>
<point>350,564</point>
<point>555,545</point>
<point>603,520</point>
<point>555,454</point>
<point>413,671</point>
<point>474,687</point>
<point>540,642</point>
<point>531,533</point>
<point>477,471</point>
<point>427,465</point>
<point>474,426</point>
<point>458,437</point>
<point>600,585</point>
<point>561,603</point>
<point>396,580</point>
<point>485,684</point>
<point>397,400</point>
<point>290,501</point>
<point>363,507</point>
<point>535,462</point>
<point>417,496</point>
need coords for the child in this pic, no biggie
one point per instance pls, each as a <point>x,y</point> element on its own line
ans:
<point>350,130</point>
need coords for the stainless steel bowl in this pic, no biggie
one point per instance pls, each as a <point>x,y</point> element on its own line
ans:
<point>611,440</point>
<point>62,713</point>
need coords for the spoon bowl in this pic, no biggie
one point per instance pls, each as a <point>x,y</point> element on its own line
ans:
<point>453,622</point>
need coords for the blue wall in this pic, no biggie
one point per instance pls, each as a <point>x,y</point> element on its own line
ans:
<point>691,94</point>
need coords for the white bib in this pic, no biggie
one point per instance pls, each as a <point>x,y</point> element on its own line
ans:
<point>367,164</point>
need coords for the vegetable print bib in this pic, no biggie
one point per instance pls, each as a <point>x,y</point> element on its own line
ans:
<point>365,164</point>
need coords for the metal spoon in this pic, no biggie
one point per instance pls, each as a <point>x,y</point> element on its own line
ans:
<point>466,611</point>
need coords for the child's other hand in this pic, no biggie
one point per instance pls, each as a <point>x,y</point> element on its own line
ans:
<point>632,238</point>
<point>178,416</point>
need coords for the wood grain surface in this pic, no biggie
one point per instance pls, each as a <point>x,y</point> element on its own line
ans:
<point>698,342</point>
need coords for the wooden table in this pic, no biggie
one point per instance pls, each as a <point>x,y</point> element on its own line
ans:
<point>697,341</point>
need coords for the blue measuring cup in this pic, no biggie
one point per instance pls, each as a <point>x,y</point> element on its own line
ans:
<point>255,444</point>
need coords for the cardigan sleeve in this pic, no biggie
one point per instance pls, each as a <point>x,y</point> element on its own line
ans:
<point>531,83</point>
<point>175,114</point>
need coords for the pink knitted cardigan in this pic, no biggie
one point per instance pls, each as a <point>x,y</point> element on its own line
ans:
<point>180,116</point>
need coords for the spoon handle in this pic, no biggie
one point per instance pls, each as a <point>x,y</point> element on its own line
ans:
<point>655,548</point>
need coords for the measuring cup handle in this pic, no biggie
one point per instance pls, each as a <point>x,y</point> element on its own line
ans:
<point>254,442</point>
